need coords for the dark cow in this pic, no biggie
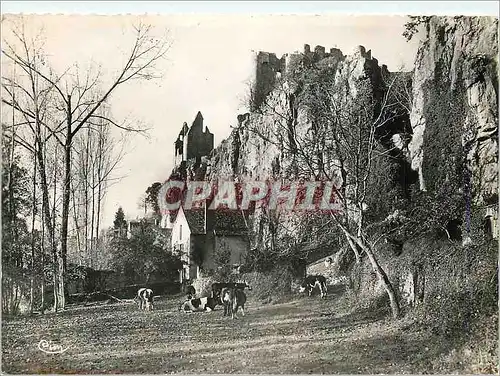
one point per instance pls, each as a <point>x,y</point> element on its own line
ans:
<point>145,296</point>
<point>217,288</point>
<point>232,299</point>
<point>312,281</point>
<point>190,292</point>
<point>198,305</point>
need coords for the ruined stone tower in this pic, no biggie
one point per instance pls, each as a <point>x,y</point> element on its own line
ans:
<point>193,142</point>
<point>268,68</point>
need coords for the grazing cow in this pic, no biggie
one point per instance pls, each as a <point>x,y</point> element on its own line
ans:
<point>232,299</point>
<point>190,292</point>
<point>198,304</point>
<point>312,281</point>
<point>145,296</point>
<point>217,288</point>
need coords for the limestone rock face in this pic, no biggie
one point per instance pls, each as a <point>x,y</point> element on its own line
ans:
<point>457,59</point>
<point>253,152</point>
<point>460,54</point>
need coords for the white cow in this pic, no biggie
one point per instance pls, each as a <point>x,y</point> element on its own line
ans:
<point>145,296</point>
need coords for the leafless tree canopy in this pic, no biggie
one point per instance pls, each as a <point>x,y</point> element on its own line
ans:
<point>64,121</point>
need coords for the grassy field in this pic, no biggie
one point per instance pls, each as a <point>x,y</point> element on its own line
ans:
<point>305,335</point>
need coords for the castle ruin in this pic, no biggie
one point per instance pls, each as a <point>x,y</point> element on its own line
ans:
<point>268,68</point>
<point>193,142</point>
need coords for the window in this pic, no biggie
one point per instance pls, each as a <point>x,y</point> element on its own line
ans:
<point>180,233</point>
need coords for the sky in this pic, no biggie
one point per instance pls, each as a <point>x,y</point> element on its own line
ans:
<point>207,69</point>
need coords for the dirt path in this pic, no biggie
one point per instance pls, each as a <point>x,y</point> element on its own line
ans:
<point>307,335</point>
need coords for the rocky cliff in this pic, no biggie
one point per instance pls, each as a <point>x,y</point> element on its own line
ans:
<point>458,60</point>
<point>451,114</point>
<point>253,150</point>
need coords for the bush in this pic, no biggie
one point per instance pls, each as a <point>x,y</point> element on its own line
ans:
<point>271,287</point>
<point>203,286</point>
<point>126,292</point>
<point>363,290</point>
<point>411,27</point>
<point>461,285</point>
<point>456,288</point>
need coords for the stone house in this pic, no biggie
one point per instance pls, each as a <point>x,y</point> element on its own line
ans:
<point>199,235</point>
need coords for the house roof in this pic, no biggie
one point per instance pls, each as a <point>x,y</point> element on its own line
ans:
<point>230,222</point>
<point>196,220</point>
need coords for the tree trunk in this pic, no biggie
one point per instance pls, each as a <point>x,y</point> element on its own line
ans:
<point>86,199</point>
<point>55,249</point>
<point>65,207</point>
<point>42,261</point>
<point>59,281</point>
<point>10,183</point>
<point>354,248</point>
<point>45,199</point>
<point>92,219</point>
<point>382,276</point>
<point>32,280</point>
<point>77,226</point>
<point>45,211</point>
<point>100,178</point>
<point>379,271</point>
<point>98,215</point>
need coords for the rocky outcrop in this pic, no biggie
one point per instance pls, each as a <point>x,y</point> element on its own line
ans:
<point>252,150</point>
<point>255,151</point>
<point>453,87</point>
<point>458,59</point>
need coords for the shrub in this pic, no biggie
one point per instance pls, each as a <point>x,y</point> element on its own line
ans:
<point>271,287</point>
<point>461,285</point>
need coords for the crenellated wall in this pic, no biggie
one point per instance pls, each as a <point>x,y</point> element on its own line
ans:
<point>268,68</point>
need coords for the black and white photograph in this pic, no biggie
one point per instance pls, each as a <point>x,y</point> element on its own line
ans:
<point>205,192</point>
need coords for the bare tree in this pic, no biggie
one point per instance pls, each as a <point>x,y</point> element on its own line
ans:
<point>76,100</point>
<point>29,98</point>
<point>96,156</point>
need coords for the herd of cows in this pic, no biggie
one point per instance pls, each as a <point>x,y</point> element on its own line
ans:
<point>231,295</point>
